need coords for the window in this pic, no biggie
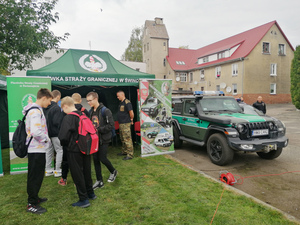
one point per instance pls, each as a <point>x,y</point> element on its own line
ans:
<point>188,105</point>
<point>234,89</point>
<point>47,60</point>
<point>147,46</point>
<point>218,88</point>
<point>191,77</point>
<point>164,62</point>
<point>180,89</point>
<point>234,69</point>
<point>205,59</point>
<point>273,70</point>
<point>165,46</point>
<point>180,63</point>
<point>273,89</point>
<point>221,55</point>
<point>202,88</point>
<point>183,77</point>
<point>218,71</point>
<point>266,48</point>
<point>165,77</point>
<point>201,75</point>
<point>281,49</point>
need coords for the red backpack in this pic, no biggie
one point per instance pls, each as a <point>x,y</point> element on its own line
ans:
<point>88,140</point>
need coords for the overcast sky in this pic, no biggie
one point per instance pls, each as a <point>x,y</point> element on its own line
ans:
<point>107,24</point>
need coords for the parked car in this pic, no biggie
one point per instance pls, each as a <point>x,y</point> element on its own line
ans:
<point>152,134</point>
<point>220,124</point>
<point>164,142</point>
<point>152,106</point>
<point>249,109</point>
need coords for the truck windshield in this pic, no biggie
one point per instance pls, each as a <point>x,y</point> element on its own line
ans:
<point>220,104</point>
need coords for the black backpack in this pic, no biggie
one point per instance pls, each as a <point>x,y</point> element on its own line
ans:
<point>113,131</point>
<point>19,138</point>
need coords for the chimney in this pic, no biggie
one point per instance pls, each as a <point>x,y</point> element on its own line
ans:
<point>159,20</point>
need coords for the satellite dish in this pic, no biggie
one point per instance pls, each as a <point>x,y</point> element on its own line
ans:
<point>202,75</point>
<point>228,89</point>
<point>195,82</point>
<point>223,85</point>
<point>177,78</point>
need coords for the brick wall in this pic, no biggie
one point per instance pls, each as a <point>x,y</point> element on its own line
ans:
<point>267,98</point>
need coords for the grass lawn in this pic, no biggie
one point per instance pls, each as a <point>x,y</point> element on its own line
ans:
<point>152,190</point>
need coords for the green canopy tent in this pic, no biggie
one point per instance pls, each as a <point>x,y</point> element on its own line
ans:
<point>83,71</point>
<point>3,113</point>
<point>83,67</point>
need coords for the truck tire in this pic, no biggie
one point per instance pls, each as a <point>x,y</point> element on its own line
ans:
<point>177,141</point>
<point>218,150</point>
<point>270,155</point>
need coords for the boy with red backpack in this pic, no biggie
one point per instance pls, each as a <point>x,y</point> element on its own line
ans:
<point>79,163</point>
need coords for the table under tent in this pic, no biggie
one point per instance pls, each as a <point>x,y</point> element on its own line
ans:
<point>82,71</point>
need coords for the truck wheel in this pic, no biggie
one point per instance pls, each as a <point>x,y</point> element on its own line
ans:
<point>218,150</point>
<point>270,155</point>
<point>177,141</point>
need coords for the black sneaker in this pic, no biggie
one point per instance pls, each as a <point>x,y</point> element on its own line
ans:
<point>92,196</point>
<point>121,154</point>
<point>98,184</point>
<point>112,176</point>
<point>127,158</point>
<point>41,200</point>
<point>36,209</point>
<point>82,204</point>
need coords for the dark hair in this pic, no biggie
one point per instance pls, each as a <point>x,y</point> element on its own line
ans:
<point>44,92</point>
<point>93,94</point>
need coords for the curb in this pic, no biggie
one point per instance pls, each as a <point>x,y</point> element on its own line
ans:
<point>286,215</point>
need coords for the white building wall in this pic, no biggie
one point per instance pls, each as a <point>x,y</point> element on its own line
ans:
<point>49,57</point>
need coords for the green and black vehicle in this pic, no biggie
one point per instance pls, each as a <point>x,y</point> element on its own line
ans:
<point>218,122</point>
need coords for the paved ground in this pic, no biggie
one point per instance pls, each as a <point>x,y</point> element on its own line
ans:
<point>281,191</point>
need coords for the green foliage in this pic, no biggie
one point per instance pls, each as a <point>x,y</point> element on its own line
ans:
<point>25,33</point>
<point>295,78</point>
<point>150,190</point>
<point>134,51</point>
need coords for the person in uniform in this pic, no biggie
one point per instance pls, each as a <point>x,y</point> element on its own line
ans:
<point>125,119</point>
<point>260,105</point>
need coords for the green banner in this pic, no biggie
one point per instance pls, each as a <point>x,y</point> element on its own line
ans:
<point>156,131</point>
<point>1,167</point>
<point>21,90</point>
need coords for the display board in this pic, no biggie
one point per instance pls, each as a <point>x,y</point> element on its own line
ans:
<point>155,117</point>
<point>20,91</point>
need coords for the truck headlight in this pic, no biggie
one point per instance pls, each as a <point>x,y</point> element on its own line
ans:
<point>242,128</point>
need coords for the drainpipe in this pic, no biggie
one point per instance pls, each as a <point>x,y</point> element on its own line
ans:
<point>242,59</point>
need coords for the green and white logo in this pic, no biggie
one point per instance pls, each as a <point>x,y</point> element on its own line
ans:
<point>29,98</point>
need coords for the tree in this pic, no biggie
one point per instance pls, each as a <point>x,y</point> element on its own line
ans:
<point>25,33</point>
<point>134,51</point>
<point>295,78</point>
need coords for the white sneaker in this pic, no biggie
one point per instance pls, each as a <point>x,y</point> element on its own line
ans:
<point>48,173</point>
<point>57,173</point>
<point>112,176</point>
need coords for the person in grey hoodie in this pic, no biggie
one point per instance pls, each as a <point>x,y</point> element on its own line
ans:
<point>36,128</point>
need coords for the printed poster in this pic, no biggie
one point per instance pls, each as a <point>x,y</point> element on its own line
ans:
<point>155,115</point>
<point>21,90</point>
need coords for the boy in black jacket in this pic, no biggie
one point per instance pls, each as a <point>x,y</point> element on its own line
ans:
<point>104,124</point>
<point>79,163</point>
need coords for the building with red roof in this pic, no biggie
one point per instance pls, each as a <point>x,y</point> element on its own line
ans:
<point>252,63</point>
